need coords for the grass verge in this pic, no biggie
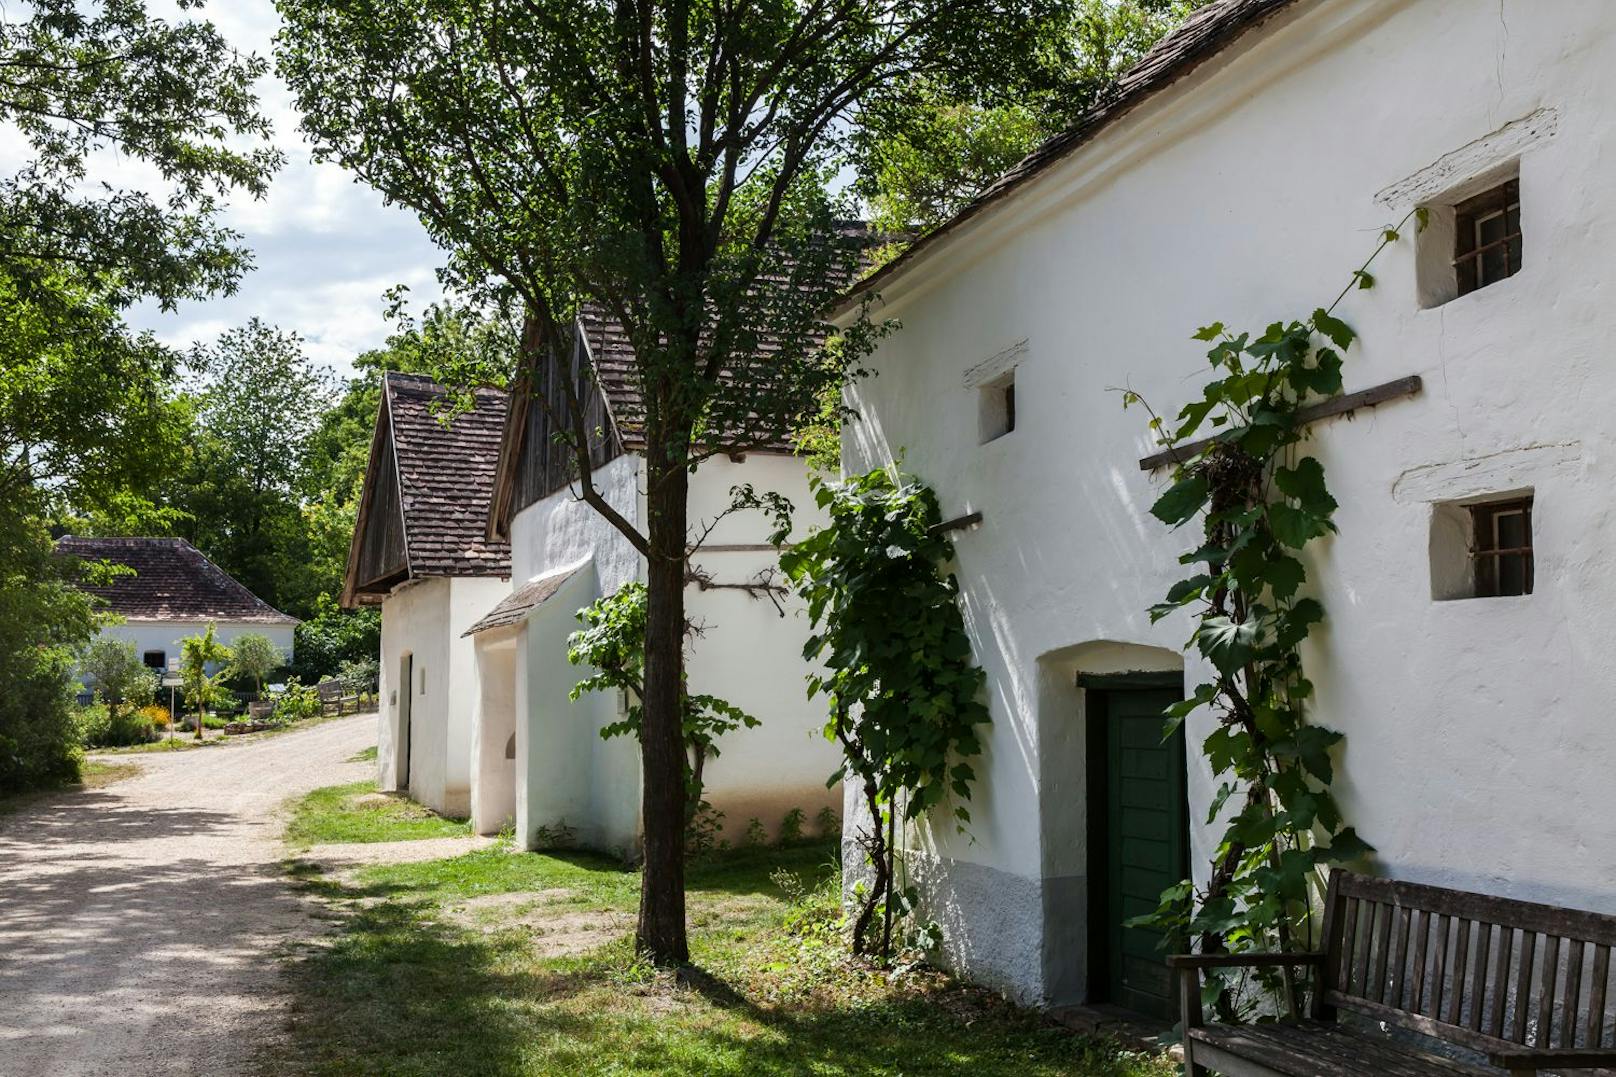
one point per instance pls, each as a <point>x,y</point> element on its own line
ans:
<point>358,813</point>
<point>521,963</point>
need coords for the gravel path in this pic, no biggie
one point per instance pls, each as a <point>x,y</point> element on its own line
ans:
<point>139,922</point>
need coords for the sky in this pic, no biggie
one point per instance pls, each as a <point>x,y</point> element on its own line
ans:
<point>325,246</point>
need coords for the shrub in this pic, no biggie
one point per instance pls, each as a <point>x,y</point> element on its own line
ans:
<point>156,714</point>
<point>829,823</point>
<point>791,826</point>
<point>255,657</point>
<point>755,834</point>
<point>297,703</point>
<point>322,642</point>
<point>359,675</point>
<point>99,727</point>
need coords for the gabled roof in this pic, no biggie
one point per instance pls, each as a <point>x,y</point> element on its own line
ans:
<point>1199,38</point>
<point>173,581</point>
<point>608,352</point>
<point>424,509</point>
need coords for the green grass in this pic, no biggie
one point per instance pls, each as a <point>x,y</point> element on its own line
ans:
<point>368,755</point>
<point>433,972</point>
<point>357,813</point>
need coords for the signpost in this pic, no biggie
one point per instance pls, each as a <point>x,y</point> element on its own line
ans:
<point>172,681</point>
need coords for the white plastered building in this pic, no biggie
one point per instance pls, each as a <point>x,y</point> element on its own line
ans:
<point>565,780</point>
<point>419,551</point>
<point>1240,175</point>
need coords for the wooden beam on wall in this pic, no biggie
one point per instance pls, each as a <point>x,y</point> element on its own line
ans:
<point>1345,404</point>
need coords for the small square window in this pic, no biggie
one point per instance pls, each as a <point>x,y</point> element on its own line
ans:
<point>1482,549</point>
<point>1487,237</point>
<point>1501,551</point>
<point>997,407</point>
<point>155,659</point>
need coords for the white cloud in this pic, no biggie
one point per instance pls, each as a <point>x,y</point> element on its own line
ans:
<point>325,246</point>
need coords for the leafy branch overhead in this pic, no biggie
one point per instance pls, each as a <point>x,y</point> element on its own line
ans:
<point>1261,501</point>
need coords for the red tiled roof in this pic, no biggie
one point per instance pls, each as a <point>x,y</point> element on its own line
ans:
<point>173,581</point>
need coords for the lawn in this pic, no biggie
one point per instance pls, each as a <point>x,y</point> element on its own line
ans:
<point>498,962</point>
<point>358,813</point>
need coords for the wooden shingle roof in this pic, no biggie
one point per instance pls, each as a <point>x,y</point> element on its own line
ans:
<point>424,511</point>
<point>172,581</point>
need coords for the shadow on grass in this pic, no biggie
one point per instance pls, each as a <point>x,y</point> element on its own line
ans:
<point>396,991</point>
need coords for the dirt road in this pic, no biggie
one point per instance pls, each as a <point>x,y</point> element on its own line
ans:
<point>139,922</point>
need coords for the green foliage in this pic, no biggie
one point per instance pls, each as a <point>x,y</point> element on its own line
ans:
<point>332,636</point>
<point>117,675</point>
<point>199,657</point>
<point>905,701</point>
<point>756,834</point>
<point>926,155</point>
<point>255,657</point>
<point>297,703</point>
<point>87,415</point>
<point>612,641</point>
<point>360,676</point>
<point>1261,501</point>
<point>100,725</point>
<point>791,826</point>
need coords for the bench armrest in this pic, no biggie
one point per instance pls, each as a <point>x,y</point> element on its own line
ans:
<point>1526,1058</point>
<point>1242,961</point>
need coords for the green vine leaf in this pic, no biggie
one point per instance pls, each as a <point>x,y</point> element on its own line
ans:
<point>1182,500</point>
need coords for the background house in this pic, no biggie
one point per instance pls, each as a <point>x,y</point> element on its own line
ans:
<point>564,555</point>
<point>175,592</point>
<point>420,553</point>
<point>1240,174</point>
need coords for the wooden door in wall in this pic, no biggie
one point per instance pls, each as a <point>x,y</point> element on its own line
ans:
<point>1138,836</point>
<point>406,691</point>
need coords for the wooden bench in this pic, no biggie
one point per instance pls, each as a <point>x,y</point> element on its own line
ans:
<point>333,696</point>
<point>1525,985</point>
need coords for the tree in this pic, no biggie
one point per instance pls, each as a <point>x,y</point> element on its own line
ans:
<point>925,156</point>
<point>260,403</point>
<point>86,412</point>
<point>197,654</point>
<point>256,656</point>
<point>669,162</point>
<point>612,642</point>
<point>117,673</point>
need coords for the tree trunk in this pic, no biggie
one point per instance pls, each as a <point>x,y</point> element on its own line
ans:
<point>661,933</point>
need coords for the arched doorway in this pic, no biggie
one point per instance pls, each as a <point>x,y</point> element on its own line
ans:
<point>1113,819</point>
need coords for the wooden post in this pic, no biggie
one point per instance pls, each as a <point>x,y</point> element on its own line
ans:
<point>1190,1016</point>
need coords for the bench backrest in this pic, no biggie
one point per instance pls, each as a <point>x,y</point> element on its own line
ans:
<point>329,689</point>
<point>1485,972</point>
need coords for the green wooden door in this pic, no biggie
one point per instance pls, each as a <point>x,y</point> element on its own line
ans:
<point>1146,837</point>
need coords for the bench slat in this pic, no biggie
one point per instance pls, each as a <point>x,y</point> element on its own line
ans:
<point>1461,952</point>
<point>1523,986</point>
<point>1551,978</point>
<point>1478,977</point>
<point>1383,945</point>
<point>1573,994</point>
<point>1439,972</point>
<point>1400,955</point>
<point>1359,981</point>
<point>1506,943</point>
<point>1349,929</point>
<point>1422,944</point>
<point>1596,996</point>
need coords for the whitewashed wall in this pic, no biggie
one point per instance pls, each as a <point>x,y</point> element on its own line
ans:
<point>1478,750</point>
<point>750,654</point>
<point>425,620</point>
<point>166,636</point>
